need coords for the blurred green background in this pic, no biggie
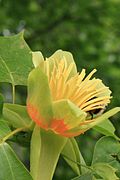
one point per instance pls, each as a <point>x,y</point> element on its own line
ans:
<point>90,29</point>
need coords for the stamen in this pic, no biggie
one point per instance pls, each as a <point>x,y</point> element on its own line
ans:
<point>93,101</point>
<point>81,76</point>
<point>93,94</point>
<point>67,72</point>
<point>59,88</point>
<point>72,86</point>
<point>100,103</point>
<point>90,75</point>
<point>93,108</point>
<point>47,68</point>
<point>85,93</point>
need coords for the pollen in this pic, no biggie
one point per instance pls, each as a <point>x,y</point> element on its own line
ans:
<point>84,91</point>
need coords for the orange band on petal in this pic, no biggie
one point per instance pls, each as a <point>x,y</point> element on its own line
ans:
<point>58,126</point>
<point>35,116</point>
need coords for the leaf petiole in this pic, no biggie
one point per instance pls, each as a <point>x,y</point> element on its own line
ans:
<point>11,134</point>
<point>88,167</point>
<point>13,94</point>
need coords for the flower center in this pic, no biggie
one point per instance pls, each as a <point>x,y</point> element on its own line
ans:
<point>88,94</point>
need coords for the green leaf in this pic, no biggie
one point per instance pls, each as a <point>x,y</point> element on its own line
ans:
<point>106,128</point>
<point>39,97</point>
<point>87,176</point>
<point>10,166</point>
<point>22,138</point>
<point>15,60</point>
<point>51,147</point>
<point>84,168</point>
<point>73,157</point>
<point>107,150</point>
<point>16,115</point>
<point>71,154</point>
<point>1,104</point>
<point>105,171</point>
<point>4,128</point>
<point>35,153</point>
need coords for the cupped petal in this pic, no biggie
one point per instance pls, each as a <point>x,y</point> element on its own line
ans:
<point>66,116</point>
<point>86,125</point>
<point>37,58</point>
<point>62,59</point>
<point>105,90</point>
<point>65,56</point>
<point>39,102</point>
<point>103,117</point>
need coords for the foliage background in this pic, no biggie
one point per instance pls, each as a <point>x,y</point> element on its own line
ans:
<point>90,29</point>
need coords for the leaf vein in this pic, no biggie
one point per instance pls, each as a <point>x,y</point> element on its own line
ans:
<point>11,170</point>
<point>8,70</point>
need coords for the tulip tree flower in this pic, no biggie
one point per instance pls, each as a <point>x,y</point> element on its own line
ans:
<point>61,99</point>
<point>61,102</point>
